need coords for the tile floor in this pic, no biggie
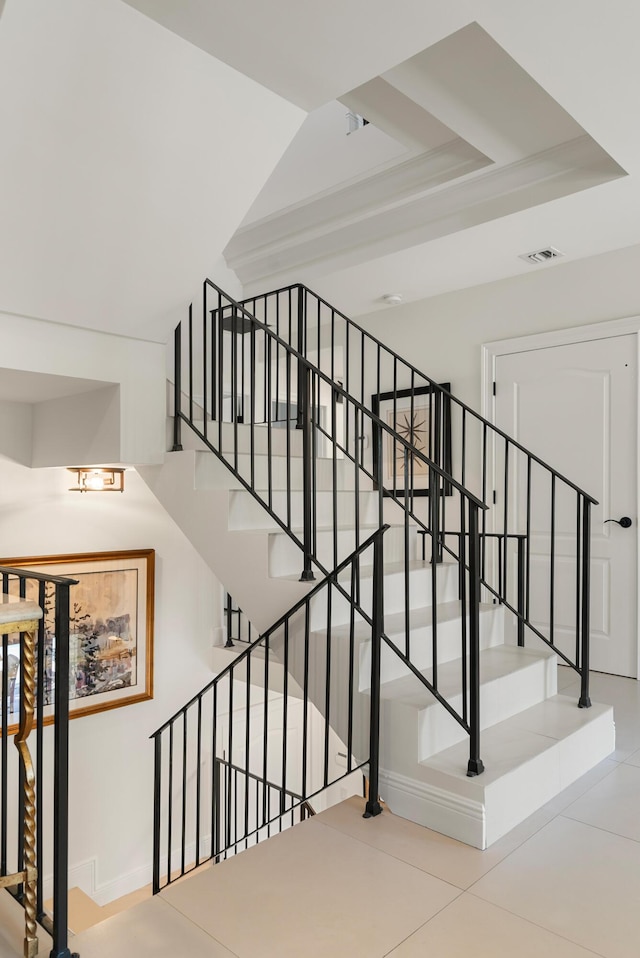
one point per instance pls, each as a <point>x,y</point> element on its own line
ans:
<point>563,884</point>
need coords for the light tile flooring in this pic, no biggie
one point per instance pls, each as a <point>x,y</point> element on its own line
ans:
<point>564,884</point>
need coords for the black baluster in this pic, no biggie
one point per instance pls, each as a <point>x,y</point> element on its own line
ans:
<point>307,491</point>
<point>475,766</point>
<point>301,349</point>
<point>177,388</point>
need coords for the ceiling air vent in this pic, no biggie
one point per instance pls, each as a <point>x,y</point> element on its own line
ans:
<point>541,255</point>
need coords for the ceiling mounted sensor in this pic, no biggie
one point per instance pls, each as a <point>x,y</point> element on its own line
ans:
<point>392,299</point>
<point>541,255</point>
<point>355,122</point>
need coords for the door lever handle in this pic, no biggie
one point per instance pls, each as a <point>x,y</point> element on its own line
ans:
<point>625,522</point>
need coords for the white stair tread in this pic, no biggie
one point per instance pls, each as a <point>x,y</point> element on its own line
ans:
<point>511,744</point>
<point>495,663</point>
<point>422,618</point>
<point>390,569</point>
<point>398,567</point>
<point>298,529</point>
<point>394,622</point>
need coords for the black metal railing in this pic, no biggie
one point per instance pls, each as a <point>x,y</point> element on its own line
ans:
<point>43,658</point>
<point>319,487</point>
<point>238,628</point>
<point>532,506</point>
<point>340,439</point>
<point>241,759</point>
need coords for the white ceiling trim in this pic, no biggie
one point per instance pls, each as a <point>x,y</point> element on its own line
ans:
<point>356,200</point>
<point>294,240</point>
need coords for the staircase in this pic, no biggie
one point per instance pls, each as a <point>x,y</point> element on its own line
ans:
<point>388,532</point>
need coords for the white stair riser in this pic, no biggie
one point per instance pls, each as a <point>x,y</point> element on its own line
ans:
<point>420,588</point>
<point>245,512</point>
<point>240,440</point>
<point>449,646</point>
<point>285,558</point>
<point>207,475</point>
<point>499,700</point>
<point>479,815</point>
<point>394,595</point>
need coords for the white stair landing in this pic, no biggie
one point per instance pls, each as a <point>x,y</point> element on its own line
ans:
<point>528,760</point>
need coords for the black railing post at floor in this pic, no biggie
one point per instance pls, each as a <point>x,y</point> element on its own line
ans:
<point>157,775</point>
<point>177,388</point>
<point>302,351</point>
<point>585,701</point>
<point>229,643</point>
<point>215,838</point>
<point>61,777</point>
<point>307,477</point>
<point>373,806</point>
<point>521,593</point>
<point>475,766</point>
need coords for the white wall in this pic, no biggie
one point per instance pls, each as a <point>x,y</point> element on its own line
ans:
<point>111,757</point>
<point>77,429</point>
<point>16,425</point>
<point>129,158</point>
<point>442,335</point>
<point>136,367</point>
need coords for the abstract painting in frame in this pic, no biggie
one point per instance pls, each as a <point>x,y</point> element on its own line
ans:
<point>110,628</point>
<point>421,416</point>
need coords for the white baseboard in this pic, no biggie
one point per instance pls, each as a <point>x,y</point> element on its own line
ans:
<point>454,815</point>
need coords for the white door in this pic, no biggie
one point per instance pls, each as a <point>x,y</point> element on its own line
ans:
<point>575,406</point>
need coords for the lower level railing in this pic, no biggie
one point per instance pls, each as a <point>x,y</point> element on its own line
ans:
<point>283,722</point>
<point>238,628</point>
<point>249,809</point>
<point>34,788</point>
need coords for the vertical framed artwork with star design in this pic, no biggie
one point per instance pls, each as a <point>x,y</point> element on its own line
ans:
<point>422,418</point>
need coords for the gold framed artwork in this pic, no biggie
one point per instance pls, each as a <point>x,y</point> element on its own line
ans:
<point>110,629</point>
<point>422,417</point>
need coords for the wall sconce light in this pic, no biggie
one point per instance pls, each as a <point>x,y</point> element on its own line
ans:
<point>89,479</point>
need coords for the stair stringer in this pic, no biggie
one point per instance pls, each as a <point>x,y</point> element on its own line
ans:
<point>239,559</point>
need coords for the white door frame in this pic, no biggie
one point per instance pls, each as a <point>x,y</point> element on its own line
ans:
<point>564,337</point>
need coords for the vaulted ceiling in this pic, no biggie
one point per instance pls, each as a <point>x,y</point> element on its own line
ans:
<point>496,128</point>
<point>141,138</point>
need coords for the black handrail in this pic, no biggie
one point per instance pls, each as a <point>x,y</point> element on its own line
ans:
<point>230,393</point>
<point>306,364</point>
<point>254,785</point>
<point>252,373</point>
<point>300,604</point>
<point>296,324</point>
<point>413,369</point>
<point>525,477</point>
<point>51,831</point>
<point>232,612</point>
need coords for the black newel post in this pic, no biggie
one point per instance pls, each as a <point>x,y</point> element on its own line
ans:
<point>157,772</point>
<point>521,589</point>
<point>373,806</point>
<point>585,701</point>
<point>301,344</point>
<point>475,766</point>
<point>61,778</point>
